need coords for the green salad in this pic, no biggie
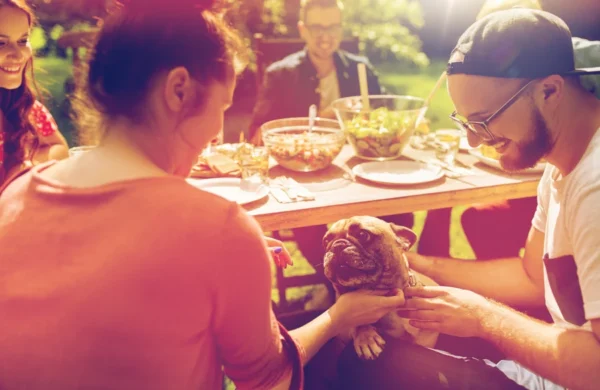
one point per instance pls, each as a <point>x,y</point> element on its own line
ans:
<point>381,133</point>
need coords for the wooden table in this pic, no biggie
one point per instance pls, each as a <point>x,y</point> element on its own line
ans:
<point>345,198</point>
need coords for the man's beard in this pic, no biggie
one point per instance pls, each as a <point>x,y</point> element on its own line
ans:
<point>530,152</point>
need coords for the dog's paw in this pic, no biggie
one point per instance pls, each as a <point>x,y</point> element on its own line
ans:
<point>368,344</point>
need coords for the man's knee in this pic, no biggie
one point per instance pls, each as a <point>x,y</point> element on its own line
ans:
<point>475,219</point>
<point>393,369</point>
<point>406,365</point>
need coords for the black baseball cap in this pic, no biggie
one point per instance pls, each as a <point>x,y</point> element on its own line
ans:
<point>516,43</point>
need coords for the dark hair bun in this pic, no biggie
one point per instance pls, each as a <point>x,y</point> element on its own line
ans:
<point>143,38</point>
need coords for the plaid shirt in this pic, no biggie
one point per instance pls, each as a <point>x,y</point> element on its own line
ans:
<point>44,124</point>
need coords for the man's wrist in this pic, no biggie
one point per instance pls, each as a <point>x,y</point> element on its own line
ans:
<point>491,316</point>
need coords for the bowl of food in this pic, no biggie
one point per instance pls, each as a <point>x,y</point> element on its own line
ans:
<point>297,147</point>
<point>382,130</point>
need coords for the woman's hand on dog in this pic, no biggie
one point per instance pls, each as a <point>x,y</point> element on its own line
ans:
<point>446,310</point>
<point>280,255</point>
<point>364,307</point>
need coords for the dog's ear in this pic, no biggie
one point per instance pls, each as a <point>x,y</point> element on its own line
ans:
<point>404,236</point>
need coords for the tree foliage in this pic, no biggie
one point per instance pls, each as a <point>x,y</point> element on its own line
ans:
<point>386,28</point>
<point>68,13</point>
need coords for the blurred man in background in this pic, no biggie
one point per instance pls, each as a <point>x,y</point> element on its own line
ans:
<point>318,74</point>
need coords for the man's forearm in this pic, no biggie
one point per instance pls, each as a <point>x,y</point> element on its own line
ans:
<point>503,280</point>
<point>570,358</point>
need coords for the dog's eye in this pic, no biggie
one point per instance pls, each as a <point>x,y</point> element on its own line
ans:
<point>326,241</point>
<point>364,236</point>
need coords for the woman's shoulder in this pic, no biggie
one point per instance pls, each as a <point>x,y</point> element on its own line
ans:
<point>183,201</point>
<point>190,216</point>
<point>177,189</point>
<point>42,119</point>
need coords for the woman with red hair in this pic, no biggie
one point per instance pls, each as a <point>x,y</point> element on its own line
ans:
<point>28,133</point>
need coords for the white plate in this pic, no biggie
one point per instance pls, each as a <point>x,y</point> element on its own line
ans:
<point>230,189</point>
<point>398,172</point>
<point>492,162</point>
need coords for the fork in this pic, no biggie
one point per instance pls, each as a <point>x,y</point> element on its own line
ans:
<point>451,171</point>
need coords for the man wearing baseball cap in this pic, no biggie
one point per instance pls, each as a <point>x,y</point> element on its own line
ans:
<point>514,84</point>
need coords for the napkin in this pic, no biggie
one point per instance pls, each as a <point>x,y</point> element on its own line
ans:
<point>288,190</point>
<point>215,165</point>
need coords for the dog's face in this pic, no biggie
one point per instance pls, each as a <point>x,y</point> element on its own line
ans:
<point>366,252</point>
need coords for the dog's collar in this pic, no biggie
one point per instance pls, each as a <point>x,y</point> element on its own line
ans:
<point>412,280</point>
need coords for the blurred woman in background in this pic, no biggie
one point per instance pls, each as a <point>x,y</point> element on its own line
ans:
<point>28,133</point>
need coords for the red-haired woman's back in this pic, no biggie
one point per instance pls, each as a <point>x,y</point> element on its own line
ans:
<point>28,134</point>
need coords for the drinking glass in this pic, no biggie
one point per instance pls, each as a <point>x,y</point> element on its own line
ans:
<point>447,143</point>
<point>254,164</point>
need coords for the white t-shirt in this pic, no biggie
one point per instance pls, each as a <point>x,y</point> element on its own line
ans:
<point>568,213</point>
<point>329,90</point>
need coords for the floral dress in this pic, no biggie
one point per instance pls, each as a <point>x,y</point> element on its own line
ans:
<point>45,126</point>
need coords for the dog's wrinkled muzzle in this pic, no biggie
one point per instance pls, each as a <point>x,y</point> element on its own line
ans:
<point>345,259</point>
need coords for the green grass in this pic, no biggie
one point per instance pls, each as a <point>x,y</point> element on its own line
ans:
<point>51,74</point>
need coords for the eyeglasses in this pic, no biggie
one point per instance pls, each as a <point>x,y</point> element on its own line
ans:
<point>319,30</point>
<point>480,128</point>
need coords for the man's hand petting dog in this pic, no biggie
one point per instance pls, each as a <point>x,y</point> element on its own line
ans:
<point>446,310</point>
<point>366,253</point>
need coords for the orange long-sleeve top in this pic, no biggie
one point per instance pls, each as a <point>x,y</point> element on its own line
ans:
<point>141,284</point>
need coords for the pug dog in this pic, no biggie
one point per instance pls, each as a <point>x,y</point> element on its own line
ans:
<point>368,253</point>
